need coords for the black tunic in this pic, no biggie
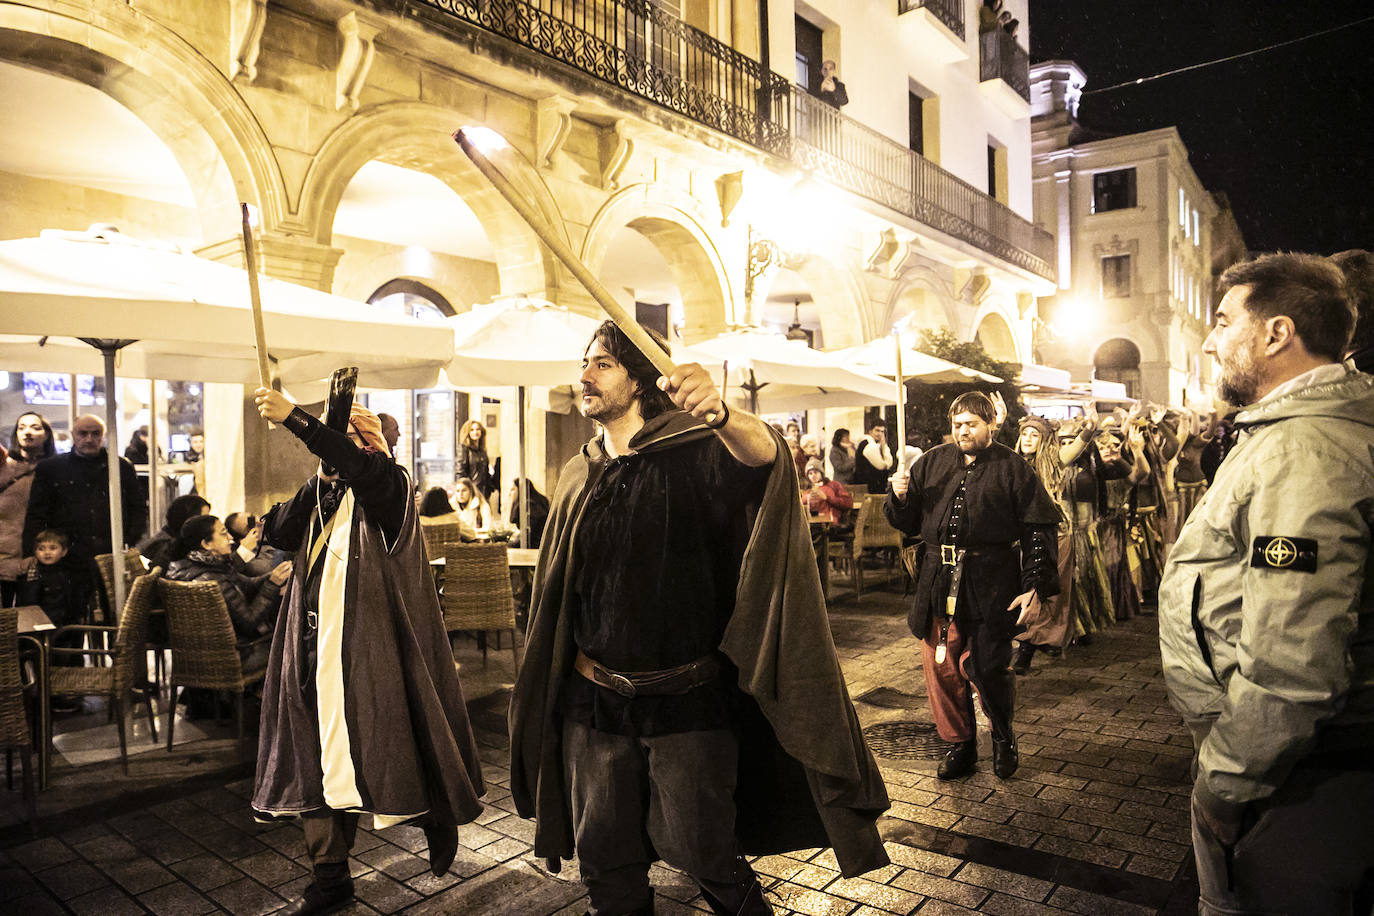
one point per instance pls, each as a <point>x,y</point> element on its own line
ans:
<point>1004,503</point>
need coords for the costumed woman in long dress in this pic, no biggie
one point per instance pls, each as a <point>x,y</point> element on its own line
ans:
<point>1114,531</point>
<point>362,710</point>
<point>1085,484</point>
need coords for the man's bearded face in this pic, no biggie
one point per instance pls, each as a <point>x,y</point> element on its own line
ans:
<point>971,432</point>
<point>608,392</point>
<point>1235,342</point>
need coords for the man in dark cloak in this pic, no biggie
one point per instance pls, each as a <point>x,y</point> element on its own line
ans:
<point>361,710</point>
<point>973,501</point>
<point>681,698</point>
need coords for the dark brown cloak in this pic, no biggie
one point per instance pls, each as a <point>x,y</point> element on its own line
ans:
<point>806,776</point>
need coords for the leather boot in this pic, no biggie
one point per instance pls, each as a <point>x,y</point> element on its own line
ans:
<point>961,760</point>
<point>331,889</point>
<point>1005,758</point>
<point>443,846</point>
<point>753,904</point>
<point>1024,653</point>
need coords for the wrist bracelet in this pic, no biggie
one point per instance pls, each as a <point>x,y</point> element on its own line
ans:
<point>722,419</point>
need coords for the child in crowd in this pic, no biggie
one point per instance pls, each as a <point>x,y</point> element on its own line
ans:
<point>47,584</point>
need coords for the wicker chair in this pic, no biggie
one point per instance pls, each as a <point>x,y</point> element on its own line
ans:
<point>205,650</point>
<point>114,682</point>
<point>477,593</point>
<point>438,538</point>
<point>871,533</point>
<point>133,568</point>
<point>15,734</point>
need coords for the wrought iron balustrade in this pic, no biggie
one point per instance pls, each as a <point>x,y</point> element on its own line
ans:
<point>870,164</point>
<point>950,12</point>
<point>645,50</point>
<point>1000,57</point>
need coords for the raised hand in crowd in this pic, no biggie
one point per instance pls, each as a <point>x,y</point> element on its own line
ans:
<point>280,573</point>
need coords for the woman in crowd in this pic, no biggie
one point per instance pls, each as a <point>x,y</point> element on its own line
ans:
<point>30,442</point>
<point>1114,530</point>
<point>1085,488</point>
<point>473,463</point>
<point>472,509</point>
<point>1189,481</point>
<point>810,450</point>
<point>437,509</point>
<point>158,549</point>
<point>539,513</point>
<point>842,456</point>
<point>828,498</point>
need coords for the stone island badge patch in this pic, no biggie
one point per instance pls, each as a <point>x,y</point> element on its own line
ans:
<point>1277,552</point>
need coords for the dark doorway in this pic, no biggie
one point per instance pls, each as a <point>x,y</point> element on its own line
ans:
<point>809,55</point>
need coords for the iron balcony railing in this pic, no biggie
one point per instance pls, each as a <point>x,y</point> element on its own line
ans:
<point>645,50</point>
<point>874,166</point>
<point>640,48</point>
<point>950,12</point>
<point>1000,57</point>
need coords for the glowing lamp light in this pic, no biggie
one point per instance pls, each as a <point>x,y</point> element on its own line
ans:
<point>485,139</point>
<point>254,219</point>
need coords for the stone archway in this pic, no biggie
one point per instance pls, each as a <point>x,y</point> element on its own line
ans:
<point>996,336</point>
<point>418,136</point>
<point>923,305</point>
<point>187,103</point>
<point>691,254</point>
<point>1118,360</point>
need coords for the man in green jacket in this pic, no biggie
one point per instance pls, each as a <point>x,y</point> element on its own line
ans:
<point>1266,610</point>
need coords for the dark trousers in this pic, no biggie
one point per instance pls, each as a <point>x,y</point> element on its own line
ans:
<point>670,795</point>
<point>1308,849</point>
<point>329,836</point>
<point>979,658</point>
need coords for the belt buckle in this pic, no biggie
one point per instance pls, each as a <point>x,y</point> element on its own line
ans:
<point>948,554</point>
<point>617,682</point>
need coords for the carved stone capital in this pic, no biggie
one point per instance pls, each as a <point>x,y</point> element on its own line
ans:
<point>356,50</point>
<point>553,123</point>
<point>247,18</point>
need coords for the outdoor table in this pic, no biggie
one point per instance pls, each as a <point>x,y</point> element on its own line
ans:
<point>35,627</point>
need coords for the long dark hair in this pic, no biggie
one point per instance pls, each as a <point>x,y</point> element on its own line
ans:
<point>652,400</point>
<point>435,502</point>
<point>49,446</point>
<point>196,530</point>
<point>836,439</point>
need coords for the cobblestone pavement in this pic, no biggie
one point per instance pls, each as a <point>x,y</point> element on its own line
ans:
<point>1095,822</point>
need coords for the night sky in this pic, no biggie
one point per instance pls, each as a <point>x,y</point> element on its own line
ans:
<point>1287,134</point>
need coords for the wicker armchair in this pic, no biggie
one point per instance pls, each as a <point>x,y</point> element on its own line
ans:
<point>871,533</point>
<point>438,538</point>
<point>15,734</point>
<point>477,593</point>
<point>133,568</point>
<point>114,682</point>
<point>205,650</point>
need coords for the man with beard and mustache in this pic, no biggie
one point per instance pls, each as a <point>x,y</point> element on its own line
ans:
<point>972,501</point>
<point>680,696</point>
<point>1266,610</point>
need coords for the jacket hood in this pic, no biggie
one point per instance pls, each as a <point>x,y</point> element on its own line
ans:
<point>667,430</point>
<point>1347,397</point>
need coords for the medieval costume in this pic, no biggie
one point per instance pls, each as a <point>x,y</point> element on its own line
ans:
<point>720,596</point>
<point>1052,627</point>
<point>971,516</point>
<point>1085,485</point>
<point>362,709</point>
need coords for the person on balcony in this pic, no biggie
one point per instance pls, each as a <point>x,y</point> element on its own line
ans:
<point>831,90</point>
<point>989,16</point>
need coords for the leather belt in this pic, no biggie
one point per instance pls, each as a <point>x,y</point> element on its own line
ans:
<point>663,682</point>
<point>951,554</point>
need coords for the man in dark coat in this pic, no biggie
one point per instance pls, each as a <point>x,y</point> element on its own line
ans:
<point>971,501</point>
<point>362,709</point>
<point>71,494</point>
<point>681,698</point>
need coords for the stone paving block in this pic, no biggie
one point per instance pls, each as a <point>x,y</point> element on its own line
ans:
<point>1002,881</point>
<point>1158,814</point>
<point>814,876</point>
<point>888,898</point>
<point>504,849</point>
<point>1119,776</point>
<point>427,884</point>
<point>1109,819</point>
<point>934,817</point>
<point>106,902</point>
<point>911,795</point>
<point>246,897</point>
<point>932,863</point>
<point>383,894</point>
<point>1005,905</point>
<point>490,892</point>
<point>1138,794</point>
<point>36,904</point>
<point>1057,780</point>
<point>365,840</point>
<point>1004,833</point>
<point>997,814</point>
<point>137,825</point>
<point>513,826</point>
<point>1144,845</point>
<point>394,861</point>
<point>207,872</point>
<point>1054,826</point>
<point>468,862</point>
<point>45,853</point>
<point>1027,803</point>
<point>170,846</point>
<point>218,800</point>
<point>780,867</point>
<point>945,908</point>
<point>1164,869</point>
<point>941,888</point>
<point>270,867</point>
<point>413,838</point>
<point>1098,855</point>
<point>84,832</point>
<point>1088,904</point>
<point>231,843</point>
<point>138,874</point>
<point>72,879</point>
<point>1082,757</point>
<point>1079,798</point>
<point>289,840</point>
<point>810,902</point>
<point>959,788</point>
<point>176,899</point>
<point>1173,833</point>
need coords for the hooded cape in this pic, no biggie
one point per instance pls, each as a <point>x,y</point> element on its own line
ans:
<point>806,776</point>
<point>383,700</point>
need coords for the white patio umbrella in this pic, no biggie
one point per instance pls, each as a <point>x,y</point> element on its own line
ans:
<point>161,314</point>
<point>880,356</point>
<point>519,343</point>
<point>767,373</point>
